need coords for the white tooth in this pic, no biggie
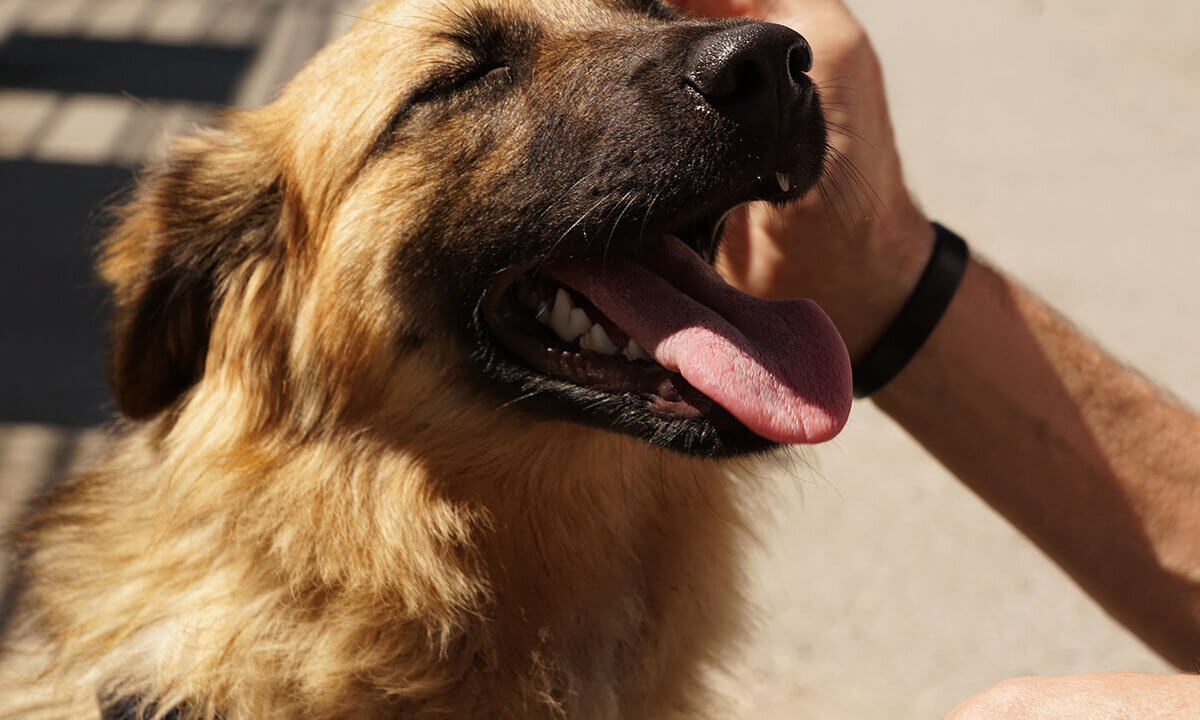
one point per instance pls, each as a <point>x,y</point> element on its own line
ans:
<point>543,313</point>
<point>784,183</point>
<point>577,325</point>
<point>560,316</point>
<point>633,351</point>
<point>600,341</point>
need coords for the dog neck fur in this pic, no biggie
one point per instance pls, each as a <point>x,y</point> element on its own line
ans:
<point>353,577</point>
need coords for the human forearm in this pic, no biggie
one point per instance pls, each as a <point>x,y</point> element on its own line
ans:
<point>1087,458</point>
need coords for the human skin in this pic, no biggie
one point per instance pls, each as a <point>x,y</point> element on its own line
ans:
<point>1087,697</point>
<point>1094,463</point>
<point>874,240</point>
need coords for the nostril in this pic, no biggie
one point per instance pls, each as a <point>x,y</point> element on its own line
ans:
<point>800,60</point>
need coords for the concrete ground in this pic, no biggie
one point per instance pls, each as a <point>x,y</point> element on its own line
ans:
<point>1062,139</point>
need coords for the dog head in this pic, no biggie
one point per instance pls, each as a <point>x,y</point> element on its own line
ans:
<point>491,202</point>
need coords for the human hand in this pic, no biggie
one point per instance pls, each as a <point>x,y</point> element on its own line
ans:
<point>1087,697</point>
<point>858,244</point>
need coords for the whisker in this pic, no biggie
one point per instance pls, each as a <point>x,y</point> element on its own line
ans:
<point>848,132</point>
<point>833,197</point>
<point>827,201</point>
<point>827,81</point>
<point>563,196</point>
<point>613,230</point>
<point>556,243</point>
<point>771,9</point>
<point>859,179</point>
<point>367,19</point>
<point>521,398</point>
<point>650,209</point>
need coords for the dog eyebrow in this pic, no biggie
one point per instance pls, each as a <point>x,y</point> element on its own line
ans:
<point>479,31</point>
<point>484,33</point>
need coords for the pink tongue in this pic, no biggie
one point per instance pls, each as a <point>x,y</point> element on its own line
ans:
<point>779,367</point>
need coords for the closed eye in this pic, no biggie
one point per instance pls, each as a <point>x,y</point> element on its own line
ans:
<point>464,80</point>
<point>443,88</point>
<point>499,73</point>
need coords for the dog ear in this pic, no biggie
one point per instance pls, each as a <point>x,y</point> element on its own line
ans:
<point>206,212</point>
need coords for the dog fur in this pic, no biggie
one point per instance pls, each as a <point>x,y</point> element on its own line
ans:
<point>319,505</point>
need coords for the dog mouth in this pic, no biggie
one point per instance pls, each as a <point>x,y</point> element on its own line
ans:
<point>661,328</point>
<point>559,332</point>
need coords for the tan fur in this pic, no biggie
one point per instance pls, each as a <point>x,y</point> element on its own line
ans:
<point>376,541</point>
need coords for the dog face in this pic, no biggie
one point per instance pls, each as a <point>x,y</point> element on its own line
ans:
<point>499,201</point>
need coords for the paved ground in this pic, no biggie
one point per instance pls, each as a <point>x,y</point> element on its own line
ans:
<point>1062,138</point>
<point>89,91</point>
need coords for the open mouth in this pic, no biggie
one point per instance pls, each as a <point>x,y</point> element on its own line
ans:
<point>662,328</point>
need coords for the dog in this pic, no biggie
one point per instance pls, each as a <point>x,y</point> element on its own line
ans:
<point>429,388</point>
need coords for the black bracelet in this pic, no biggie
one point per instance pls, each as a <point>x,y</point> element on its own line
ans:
<point>919,316</point>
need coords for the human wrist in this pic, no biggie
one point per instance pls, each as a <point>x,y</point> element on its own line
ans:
<point>921,313</point>
<point>894,253</point>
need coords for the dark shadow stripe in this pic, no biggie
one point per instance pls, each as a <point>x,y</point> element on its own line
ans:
<point>52,320</point>
<point>193,73</point>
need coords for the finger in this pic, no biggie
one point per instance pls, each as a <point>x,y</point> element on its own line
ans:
<point>735,246</point>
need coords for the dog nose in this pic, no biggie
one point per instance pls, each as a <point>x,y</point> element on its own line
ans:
<point>754,74</point>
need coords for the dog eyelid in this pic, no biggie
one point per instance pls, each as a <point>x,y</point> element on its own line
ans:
<point>498,72</point>
<point>461,79</point>
<point>434,89</point>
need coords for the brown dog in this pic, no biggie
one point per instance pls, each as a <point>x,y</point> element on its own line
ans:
<point>429,387</point>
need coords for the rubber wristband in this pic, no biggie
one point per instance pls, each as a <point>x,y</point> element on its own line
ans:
<point>919,316</point>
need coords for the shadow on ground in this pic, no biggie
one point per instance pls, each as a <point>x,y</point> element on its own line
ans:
<point>143,70</point>
<point>51,322</point>
<point>52,317</point>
